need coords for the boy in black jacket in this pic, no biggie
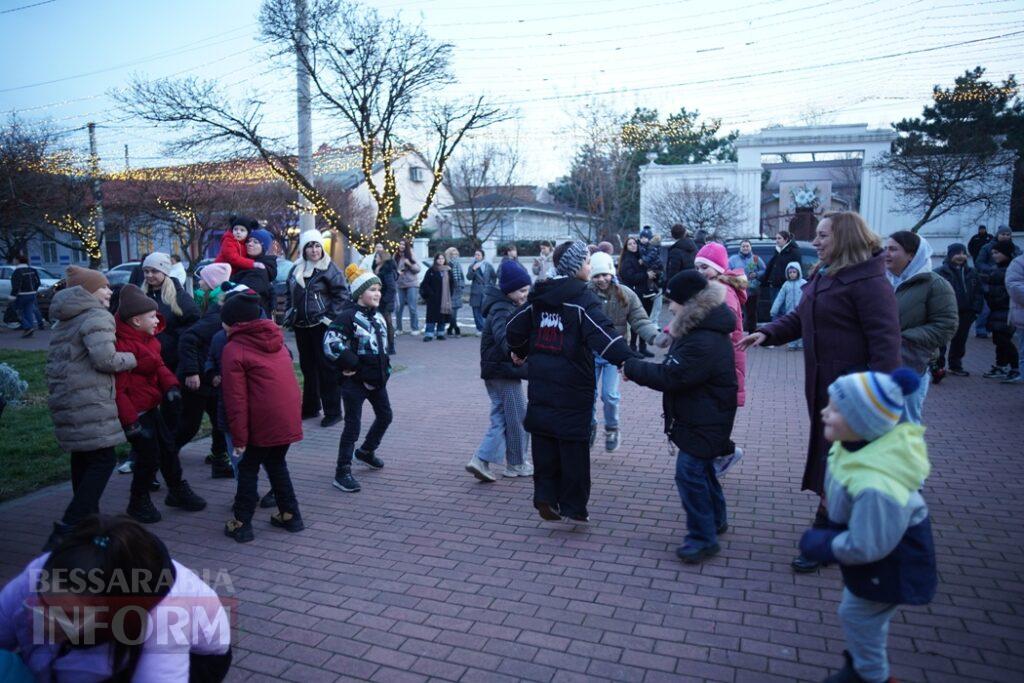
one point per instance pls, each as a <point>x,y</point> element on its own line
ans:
<point>698,380</point>
<point>560,329</point>
<point>969,301</point>
<point>357,343</point>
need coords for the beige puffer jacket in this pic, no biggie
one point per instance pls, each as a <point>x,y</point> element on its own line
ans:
<point>80,372</point>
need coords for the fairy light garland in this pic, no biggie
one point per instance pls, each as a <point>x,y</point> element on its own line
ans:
<point>973,94</point>
<point>83,232</point>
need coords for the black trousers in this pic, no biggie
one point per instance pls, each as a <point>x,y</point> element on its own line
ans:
<point>1006,351</point>
<point>319,385</point>
<point>561,474</point>
<point>958,345</point>
<point>155,450</point>
<point>272,460</point>
<point>354,393</point>
<point>193,405</point>
<point>90,472</point>
<point>750,312</point>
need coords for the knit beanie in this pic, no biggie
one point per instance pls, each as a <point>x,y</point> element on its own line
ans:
<point>264,238</point>
<point>684,285</point>
<point>714,256</point>
<point>955,248</point>
<point>606,247</point>
<point>132,302</point>
<point>310,237</point>
<point>86,278</point>
<point>1004,230</point>
<point>512,276</point>
<point>571,260</point>
<point>872,403</point>
<point>240,307</point>
<point>646,233</point>
<point>1004,248</point>
<point>249,224</point>
<point>601,264</point>
<point>359,280</point>
<point>215,274</point>
<point>158,261</point>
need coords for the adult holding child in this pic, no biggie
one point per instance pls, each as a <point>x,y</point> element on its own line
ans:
<point>848,320</point>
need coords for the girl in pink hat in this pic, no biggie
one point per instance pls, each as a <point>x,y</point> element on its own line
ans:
<point>713,263</point>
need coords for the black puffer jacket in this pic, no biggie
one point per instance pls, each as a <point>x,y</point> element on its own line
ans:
<point>998,299</point>
<point>966,284</point>
<point>495,362</point>
<point>633,274</point>
<point>170,338</point>
<point>698,376</point>
<point>388,274</point>
<point>323,295</point>
<point>680,256</point>
<point>259,280</point>
<point>775,272</point>
<point>560,329</point>
<point>194,348</point>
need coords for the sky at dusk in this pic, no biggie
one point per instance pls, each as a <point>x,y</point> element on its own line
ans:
<point>749,63</point>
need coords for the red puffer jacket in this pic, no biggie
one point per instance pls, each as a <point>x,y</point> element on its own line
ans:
<point>232,252</point>
<point>261,394</point>
<point>143,387</point>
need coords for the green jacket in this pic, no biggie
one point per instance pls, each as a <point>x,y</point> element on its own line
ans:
<point>928,318</point>
<point>628,319</point>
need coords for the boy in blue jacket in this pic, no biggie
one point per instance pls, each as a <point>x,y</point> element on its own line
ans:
<point>880,533</point>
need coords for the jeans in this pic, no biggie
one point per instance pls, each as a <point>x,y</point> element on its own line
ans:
<point>319,383</point>
<point>656,310</point>
<point>606,377</point>
<point>505,438</point>
<point>914,403</point>
<point>958,345</point>
<point>272,459</point>
<point>354,393</point>
<point>702,499</point>
<point>408,296</point>
<point>193,405</point>
<point>561,474</point>
<point>478,318</point>
<point>866,626</point>
<point>432,328</point>
<point>154,451</point>
<point>28,311</point>
<point>90,472</point>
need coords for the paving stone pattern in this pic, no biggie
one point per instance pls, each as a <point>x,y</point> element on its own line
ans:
<point>428,575</point>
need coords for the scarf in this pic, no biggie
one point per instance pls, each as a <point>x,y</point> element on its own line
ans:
<point>309,267</point>
<point>446,292</point>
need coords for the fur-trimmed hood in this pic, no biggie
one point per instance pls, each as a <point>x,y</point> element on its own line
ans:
<point>737,279</point>
<point>705,309</point>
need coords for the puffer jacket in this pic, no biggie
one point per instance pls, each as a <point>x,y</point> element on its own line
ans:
<point>735,282</point>
<point>358,340</point>
<point>174,324</point>
<point>998,299</point>
<point>966,285</point>
<point>788,298</point>
<point>142,388</point>
<point>232,252</point>
<point>80,369</point>
<point>629,318</point>
<point>194,347</point>
<point>495,362</point>
<point>1014,282</point>
<point>321,298</point>
<point>928,310</point>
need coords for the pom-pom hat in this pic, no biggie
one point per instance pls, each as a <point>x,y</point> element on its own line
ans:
<point>872,403</point>
<point>240,307</point>
<point>359,280</point>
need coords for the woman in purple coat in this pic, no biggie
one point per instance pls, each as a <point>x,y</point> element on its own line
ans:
<point>849,322</point>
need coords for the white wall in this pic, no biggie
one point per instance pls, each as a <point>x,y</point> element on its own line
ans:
<point>413,194</point>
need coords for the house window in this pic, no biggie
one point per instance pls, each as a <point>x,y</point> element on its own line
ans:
<point>416,174</point>
<point>49,248</point>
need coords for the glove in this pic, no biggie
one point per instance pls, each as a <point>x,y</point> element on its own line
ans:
<point>135,431</point>
<point>173,395</point>
<point>816,544</point>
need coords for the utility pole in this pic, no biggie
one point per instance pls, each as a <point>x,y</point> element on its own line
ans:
<point>97,194</point>
<point>126,166</point>
<point>307,219</point>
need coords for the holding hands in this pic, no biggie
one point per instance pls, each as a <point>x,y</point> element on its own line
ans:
<point>755,339</point>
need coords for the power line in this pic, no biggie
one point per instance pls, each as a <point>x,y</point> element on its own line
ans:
<point>34,4</point>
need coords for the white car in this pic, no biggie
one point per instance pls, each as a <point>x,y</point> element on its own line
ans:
<point>46,280</point>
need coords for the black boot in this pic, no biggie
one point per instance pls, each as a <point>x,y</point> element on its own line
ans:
<point>369,458</point>
<point>288,521</point>
<point>344,481</point>
<point>182,496</point>
<point>141,509</point>
<point>220,468</point>
<point>60,532</point>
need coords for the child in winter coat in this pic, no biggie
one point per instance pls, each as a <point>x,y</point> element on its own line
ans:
<point>80,369</point>
<point>263,405</point>
<point>232,245</point>
<point>356,342</point>
<point>140,392</point>
<point>138,615</point>
<point>698,382</point>
<point>260,280</point>
<point>788,297</point>
<point>879,530</point>
<point>1007,365</point>
<point>503,380</point>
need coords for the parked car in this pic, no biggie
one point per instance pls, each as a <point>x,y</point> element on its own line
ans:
<point>764,248</point>
<point>46,281</point>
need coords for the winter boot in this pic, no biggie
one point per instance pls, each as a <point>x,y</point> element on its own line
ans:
<point>240,531</point>
<point>847,674</point>
<point>611,439</point>
<point>369,458</point>
<point>141,509</point>
<point>269,500</point>
<point>221,468</point>
<point>288,521</point>
<point>182,496</point>
<point>346,482</point>
<point>60,532</point>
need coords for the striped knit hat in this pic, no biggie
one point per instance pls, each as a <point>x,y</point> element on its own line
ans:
<point>359,280</point>
<point>571,259</point>
<point>872,402</point>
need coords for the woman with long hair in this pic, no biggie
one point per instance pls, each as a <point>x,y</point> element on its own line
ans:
<point>408,288</point>
<point>849,322</point>
<point>386,270</point>
<point>436,289</point>
<point>637,276</point>
<point>451,257</point>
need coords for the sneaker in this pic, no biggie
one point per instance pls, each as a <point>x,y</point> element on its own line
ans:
<point>727,462</point>
<point>937,375</point>
<point>611,440</point>
<point>330,420</point>
<point>125,467</point>
<point>221,468</point>
<point>691,555</point>
<point>141,509</point>
<point>1013,377</point>
<point>481,470</point>
<point>959,372</point>
<point>593,433</point>
<point>995,372</point>
<point>28,333</point>
<point>369,458</point>
<point>240,531</point>
<point>155,484</point>
<point>428,337</point>
<point>287,521</point>
<point>415,333</point>
<point>268,501</point>
<point>523,470</point>
<point>582,518</point>
<point>347,483</point>
<point>182,496</point>
<point>548,511</point>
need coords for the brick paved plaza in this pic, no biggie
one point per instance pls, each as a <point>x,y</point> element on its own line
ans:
<point>428,575</point>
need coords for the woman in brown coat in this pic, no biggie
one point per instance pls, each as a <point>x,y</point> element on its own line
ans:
<point>848,320</point>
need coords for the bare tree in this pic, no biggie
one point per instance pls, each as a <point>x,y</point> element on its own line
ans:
<point>699,206</point>
<point>481,181</point>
